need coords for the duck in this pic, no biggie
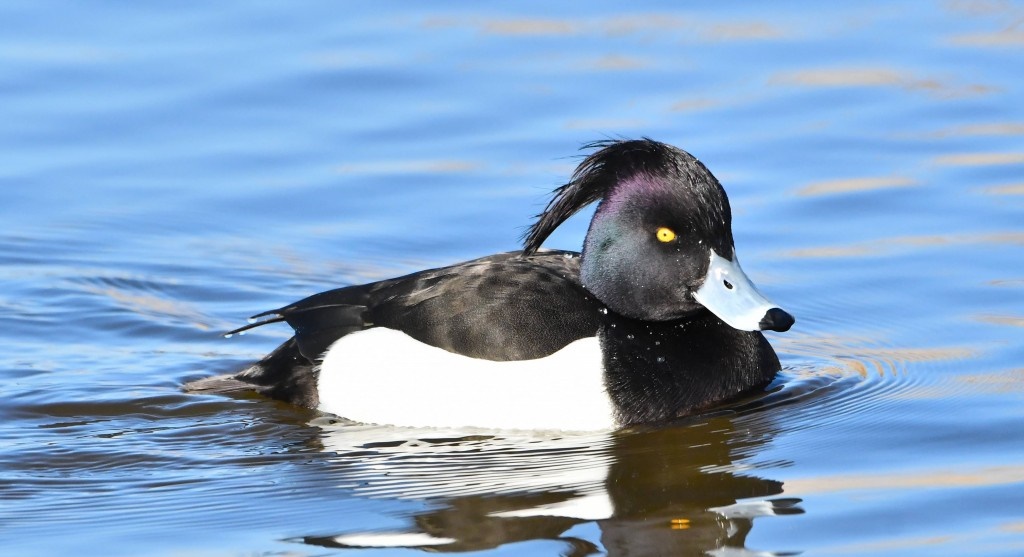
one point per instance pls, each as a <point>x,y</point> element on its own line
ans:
<point>652,321</point>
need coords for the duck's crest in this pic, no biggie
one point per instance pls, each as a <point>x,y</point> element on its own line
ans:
<point>612,162</point>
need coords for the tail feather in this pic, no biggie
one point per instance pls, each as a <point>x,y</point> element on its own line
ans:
<point>285,374</point>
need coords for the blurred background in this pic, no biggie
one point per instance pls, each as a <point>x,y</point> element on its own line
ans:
<point>168,170</point>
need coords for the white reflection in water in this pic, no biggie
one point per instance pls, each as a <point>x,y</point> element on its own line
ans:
<point>676,488</point>
<point>406,463</point>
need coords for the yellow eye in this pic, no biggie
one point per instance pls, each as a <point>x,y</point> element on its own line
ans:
<point>665,234</point>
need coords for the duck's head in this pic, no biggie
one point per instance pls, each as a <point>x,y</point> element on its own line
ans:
<point>660,244</point>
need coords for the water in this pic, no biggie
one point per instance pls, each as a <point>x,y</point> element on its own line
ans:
<point>166,171</point>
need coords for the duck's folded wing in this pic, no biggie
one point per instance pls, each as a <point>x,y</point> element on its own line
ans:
<point>502,307</point>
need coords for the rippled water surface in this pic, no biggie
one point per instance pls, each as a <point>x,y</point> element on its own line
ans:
<point>168,170</point>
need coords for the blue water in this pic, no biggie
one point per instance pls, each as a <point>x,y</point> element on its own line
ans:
<point>168,170</point>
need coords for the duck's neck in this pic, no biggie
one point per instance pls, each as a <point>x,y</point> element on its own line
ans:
<point>656,371</point>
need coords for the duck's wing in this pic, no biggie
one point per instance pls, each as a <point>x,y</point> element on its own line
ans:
<point>502,307</point>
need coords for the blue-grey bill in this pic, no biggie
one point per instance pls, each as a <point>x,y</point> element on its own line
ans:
<point>728,293</point>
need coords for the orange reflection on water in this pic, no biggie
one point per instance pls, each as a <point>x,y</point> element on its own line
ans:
<point>1010,320</point>
<point>1002,38</point>
<point>877,77</point>
<point>979,159</point>
<point>856,184</point>
<point>1001,382</point>
<point>921,479</point>
<point>531,27</point>
<point>665,26</point>
<point>1005,189</point>
<point>976,130</point>
<point>618,62</point>
<point>409,167</point>
<point>150,304</point>
<point>886,245</point>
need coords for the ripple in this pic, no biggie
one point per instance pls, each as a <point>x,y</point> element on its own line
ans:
<point>150,299</point>
<point>828,380</point>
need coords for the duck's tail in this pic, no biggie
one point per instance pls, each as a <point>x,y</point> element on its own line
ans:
<point>284,374</point>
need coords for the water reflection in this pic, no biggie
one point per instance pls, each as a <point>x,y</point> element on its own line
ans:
<point>1006,189</point>
<point>979,159</point>
<point>849,185</point>
<point>689,28</point>
<point>887,245</point>
<point>878,77</point>
<point>680,490</point>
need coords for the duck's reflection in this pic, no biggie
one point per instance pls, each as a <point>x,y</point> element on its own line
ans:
<point>676,490</point>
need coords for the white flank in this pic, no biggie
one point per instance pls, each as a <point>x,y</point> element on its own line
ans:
<point>383,376</point>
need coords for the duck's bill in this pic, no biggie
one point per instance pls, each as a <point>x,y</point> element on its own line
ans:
<point>729,294</point>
